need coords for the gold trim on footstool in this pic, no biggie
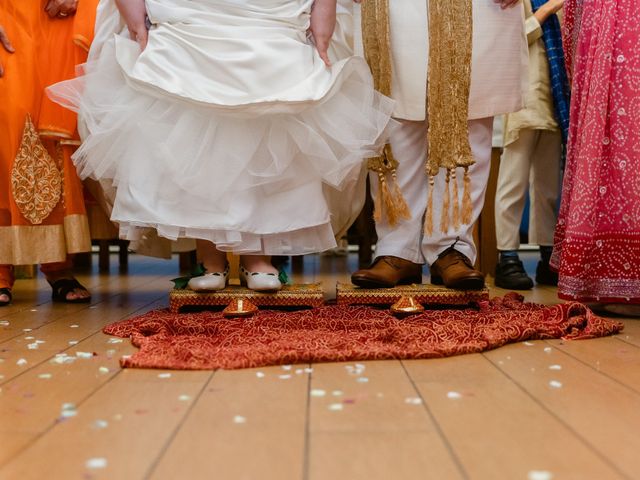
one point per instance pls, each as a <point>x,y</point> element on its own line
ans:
<point>426,294</point>
<point>301,295</point>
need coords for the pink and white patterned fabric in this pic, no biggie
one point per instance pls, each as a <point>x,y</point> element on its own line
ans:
<point>597,239</point>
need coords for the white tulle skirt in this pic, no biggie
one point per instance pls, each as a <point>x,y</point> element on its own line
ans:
<point>228,127</point>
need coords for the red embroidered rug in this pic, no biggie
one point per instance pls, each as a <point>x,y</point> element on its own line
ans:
<point>207,340</point>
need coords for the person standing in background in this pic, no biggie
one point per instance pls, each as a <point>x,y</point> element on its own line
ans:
<point>448,85</point>
<point>533,148</point>
<point>597,239</point>
<point>42,214</point>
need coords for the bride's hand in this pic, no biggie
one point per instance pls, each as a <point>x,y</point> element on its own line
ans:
<point>134,13</point>
<point>323,23</point>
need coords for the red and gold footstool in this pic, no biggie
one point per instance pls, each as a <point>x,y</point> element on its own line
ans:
<point>301,295</point>
<point>425,294</point>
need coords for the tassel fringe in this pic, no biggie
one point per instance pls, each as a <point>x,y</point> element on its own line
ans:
<point>444,218</point>
<point>428,217</point>
<point>455,199</point>
<point>390,199</point>
<point>466,198</point>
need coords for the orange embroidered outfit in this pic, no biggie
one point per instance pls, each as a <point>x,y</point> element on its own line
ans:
<point>42,213</point>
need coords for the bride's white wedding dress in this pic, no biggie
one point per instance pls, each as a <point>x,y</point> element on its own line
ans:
<point>228,126</point>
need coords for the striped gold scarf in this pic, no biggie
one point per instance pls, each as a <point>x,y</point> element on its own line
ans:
<point>448,86</point>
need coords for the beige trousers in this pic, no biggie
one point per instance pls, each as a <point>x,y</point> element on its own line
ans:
<point>531,162</point>
<point>406,240</point>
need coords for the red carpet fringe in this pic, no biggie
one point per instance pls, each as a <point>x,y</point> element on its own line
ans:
<point>206,340</point>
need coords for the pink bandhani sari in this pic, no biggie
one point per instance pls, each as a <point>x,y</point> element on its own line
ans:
<point>597,239</point>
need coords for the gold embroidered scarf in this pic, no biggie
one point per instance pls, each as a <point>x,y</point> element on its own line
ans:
<point>448,86</point>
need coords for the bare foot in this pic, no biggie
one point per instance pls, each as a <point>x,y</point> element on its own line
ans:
<point>79,293</point>
<point>213,259</point>
<point>258,263</point>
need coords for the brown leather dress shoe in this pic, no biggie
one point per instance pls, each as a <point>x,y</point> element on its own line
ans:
<point>387,272</point>
<point>455,270</point>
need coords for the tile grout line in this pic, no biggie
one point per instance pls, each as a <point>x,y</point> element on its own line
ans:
<point>604,374</point>
<point>438,427</point>
<point>171,437</point>
<point>561,421</point>
<point>307,435</point>
<point>70,347</point>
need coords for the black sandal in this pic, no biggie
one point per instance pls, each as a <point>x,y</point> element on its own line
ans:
<point>7,292</point>
<point>61,288</point>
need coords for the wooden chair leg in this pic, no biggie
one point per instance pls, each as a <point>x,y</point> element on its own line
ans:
<point>103,255</point>
<point>123,254</point>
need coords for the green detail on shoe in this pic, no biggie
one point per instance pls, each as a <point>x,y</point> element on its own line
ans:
<point>181,283</point>
<point>282,276</point>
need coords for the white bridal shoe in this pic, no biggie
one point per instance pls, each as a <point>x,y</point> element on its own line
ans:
<point>260,282</point>
<point>210,281</point>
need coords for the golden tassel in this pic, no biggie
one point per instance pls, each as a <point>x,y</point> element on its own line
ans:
<point>428,216</point>
<point>397,201</point>
<point>444,217</point>
<point>377,201</point>
<point>456,200</point>
<point>466,198</point>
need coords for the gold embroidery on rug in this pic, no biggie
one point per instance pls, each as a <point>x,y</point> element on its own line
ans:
<point>36,182</point>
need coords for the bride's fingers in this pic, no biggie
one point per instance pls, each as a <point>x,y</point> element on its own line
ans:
<point>323,50</point>
<point>140,34</point>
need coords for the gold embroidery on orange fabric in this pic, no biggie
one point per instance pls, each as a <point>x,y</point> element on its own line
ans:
<point>36,183</point>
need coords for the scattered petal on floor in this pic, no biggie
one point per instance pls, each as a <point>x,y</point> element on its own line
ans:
<point>239,419</point>
<point>548,349</point>
<point>104,370</point>
<point>62,358</point>
<point>337,393</point>
<point>68,410</point>
<point>184,398</point>
<point>84,354</point>
<point>335,407</point>
<point>260,374</point>
<point>4,323</point>
<point>45,376</point>
<point>115,340</point>
<point>308,370</point>
<point>286,367</point>
<point>555,367</point>
<point>362,380</point>
<point>21,362</point>
<point>32,346</point>
<point>539,475</point>
<point>529,344</point>
<point>74,326</point>
<point>454,395</point>
<point>284,377</point>
<point>100,424</point>
<point>164,375</point>
<point>413,401</point>
<point>555,384</point>
<point>73,342</point>
<point>316,392</point>
<point>96,463</point>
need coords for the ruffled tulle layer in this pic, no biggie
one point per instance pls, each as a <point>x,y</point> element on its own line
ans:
<point>259,176</point>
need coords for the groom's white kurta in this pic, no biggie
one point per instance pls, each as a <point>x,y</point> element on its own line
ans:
<point>498,85</point>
